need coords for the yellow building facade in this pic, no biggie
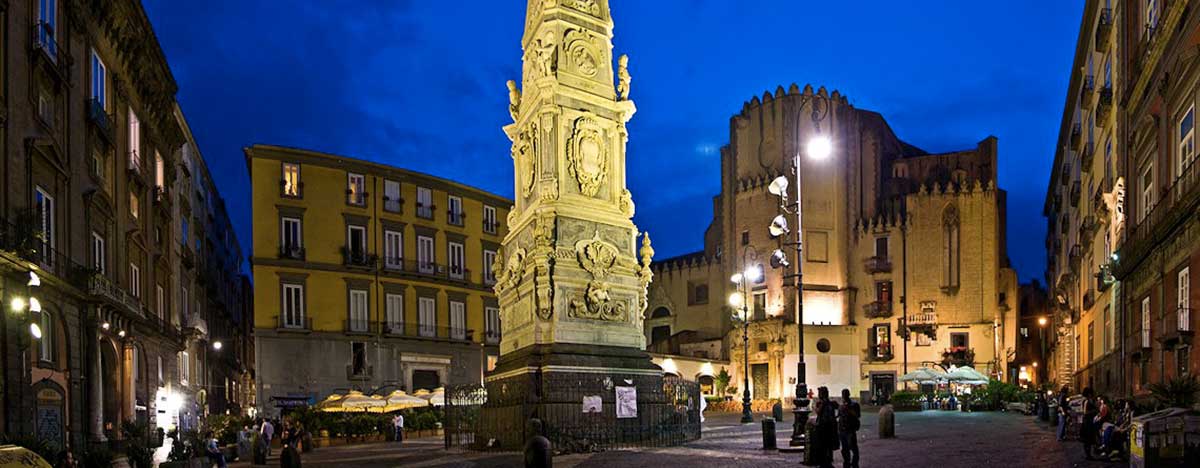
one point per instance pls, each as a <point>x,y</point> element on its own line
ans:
<point>369,276</point>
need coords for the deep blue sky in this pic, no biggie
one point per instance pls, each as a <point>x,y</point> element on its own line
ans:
<point>420,84</point>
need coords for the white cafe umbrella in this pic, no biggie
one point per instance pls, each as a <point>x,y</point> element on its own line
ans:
<point>357,401</point>
<point>399,400</point>
<point>437,398</point>
<point>966,375</point>
<point>924,375</point>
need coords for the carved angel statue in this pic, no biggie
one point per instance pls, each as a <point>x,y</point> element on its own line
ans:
<point>543,51</point>
<point>514,99</point>
<point>623,78</point>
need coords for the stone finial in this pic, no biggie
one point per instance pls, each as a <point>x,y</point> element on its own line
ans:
<point>821,92</point>
<point>514,99</point>
<point>991,185</point>
<point>808,89</point>
<point>754,102</point>
<point>779,91</point>
<point>793,89</point>
<point>924,189</point>
<point>766,97</point>
<point>836,96</point>
<point>978,186</point>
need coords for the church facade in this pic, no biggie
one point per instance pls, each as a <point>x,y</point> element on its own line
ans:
<point>904,259</point>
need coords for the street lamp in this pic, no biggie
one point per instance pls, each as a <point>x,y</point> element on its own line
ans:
<point>751,273</point>
<point>217,345</point>
<point>1041,321</point>
<point>818,147</point>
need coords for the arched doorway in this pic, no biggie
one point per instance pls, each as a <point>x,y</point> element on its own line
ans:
<point>110,388</point>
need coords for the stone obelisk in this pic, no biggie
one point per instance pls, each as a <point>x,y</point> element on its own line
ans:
<point>573,272</point>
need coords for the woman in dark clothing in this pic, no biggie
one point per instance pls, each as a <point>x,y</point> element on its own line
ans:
<point>1087,428</point>
<point>290,458</point>
<point>825,431</point>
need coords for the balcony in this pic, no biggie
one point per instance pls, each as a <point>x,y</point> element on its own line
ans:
<point>878,309</point>
<point>424,211</point>
<point>1139,343</point>
<point>1076,134</point>
<point>491,227</point>
<point>427,332</point>
<point>296,324</point>
<point>1088,90</point>
<point>958,356</point>
<point>922,319</point>
<point>455,217</point>
<point>1104,30</point>
<point>1104,105</point>
<point>102,289</point>
<point>1076,193</point>
<point>356,197</point>
<point>187,258</point>
<point>878,264</point>
<point>358,258</point>
<point>46,46</point>
<point>427,269</point>
<point>1177,203</point>
<point>1104,278</point>
<point>1075,257</point>
<point>491,337</point>
<point>392,206</point>
<point>879,353</point>
<point>101,120</point>
<point>1085,156</point>
<point>1088,226</point>
<point>135,164</point>
<point>194,324</point>
<point>393,263</point>
<point>1098,204</point>
<point>360,327</point>
<point>1177,327</point>
<point>1089,299</point>
<point>291,252</point>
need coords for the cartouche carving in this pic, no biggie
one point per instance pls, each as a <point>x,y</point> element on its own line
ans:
<point>587,155</point>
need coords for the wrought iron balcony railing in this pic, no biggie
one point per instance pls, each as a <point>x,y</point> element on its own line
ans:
<point>361,326</point>
<point>424,211</point>
<point>922,319</point>
<point>1176,202</point>
<point>491,337</point>
<point>877,309</point>
<point>294,322</point>
<point>392,206</point>
<point>877,264</point>
<point>490,227</point>
<point>455,217</point>
<point>1104,30</point>
<point>1104,105</point>
<point>1088,90</point>
<point>428,331</point>
<point>1177,327</point>
<point>99,117</point>
<point>291,252</point>
<point>358,258</point>
<point>879,353</point>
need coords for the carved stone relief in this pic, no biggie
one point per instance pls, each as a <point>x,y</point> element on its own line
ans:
<point>525,151</point>
<point>587,155</point>
<point>591,7</point>
<point>582,52</point>
<point>598,258</point>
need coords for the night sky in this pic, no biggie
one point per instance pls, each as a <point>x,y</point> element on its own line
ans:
<point>420,84</point>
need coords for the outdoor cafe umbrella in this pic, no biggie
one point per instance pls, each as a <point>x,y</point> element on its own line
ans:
<point>332,403</point>
<point>966,375</point>
<point>356,401</point>
<point>399,400</point>
<point>924,375</point>
<point>437,398</point>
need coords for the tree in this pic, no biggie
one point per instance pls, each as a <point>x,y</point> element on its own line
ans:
<point>722,381</point>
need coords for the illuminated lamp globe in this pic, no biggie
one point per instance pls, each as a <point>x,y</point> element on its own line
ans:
<point>820,147</point>
<point>778,226</point>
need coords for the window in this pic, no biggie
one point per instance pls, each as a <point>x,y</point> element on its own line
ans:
<point>458,320</point>
<point>1187,141</point>
<point>393,250</point>
<point>960,340</point>
<point>883,292</point>
<point>45,107</point>
<point>760,304</point>
<point>291,180</point>
<point>1024,332</point>
<point>424,203</point>
<point>98,253</point>
<point>489,275</point>
<point>358,311</point>
<point>489,219</point>
<point>745,237</point>
<point>881,247</point>
<point>160,302</point>
<point>44,210</point>
<point>1147,200</point>
<point>46,344</point>
<point>1146,322</point>
<point>491,323</point>
<point>1107,331</point>
<point>184,232</point>
<point>356,189</point>
<point>1182,356</point>
<point>47,20</point>
<point>1108,149</point>
<point>356,243</point>
<point>133,204</point>
<point>391,196</point>
<point>1183,299</point>
<point>184,368</point>
<point>135,280</point>
<point>394,309</point>
<point>1108,71</point>
<point>291,239</point>
<point>160,174</point>
<point>881,341</point>
<point>293,306</point>
<point>455,214</point>
<point>99,82</point>
<point>456,260</point>
<point>425,258</point>
<point>160,375</point>
<point>358,358</point>
<point>1091,342</point>
<point>135,142</point>
<point>950,248</point>
<point>699,294</point>
<point>427,316</point>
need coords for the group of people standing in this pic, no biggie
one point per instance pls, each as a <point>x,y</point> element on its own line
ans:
<point>1103,430</point>
<point>836,425</point>
<point>290,435</point>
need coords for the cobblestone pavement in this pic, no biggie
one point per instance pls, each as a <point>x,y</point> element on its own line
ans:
<point>940,439</point>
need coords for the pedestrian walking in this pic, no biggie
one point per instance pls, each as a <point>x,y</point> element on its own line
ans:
<point>243,443</point>
<point>1064,413</point>
<point>848,422</point>
<point>289,456</point>
<point>398,427</point>
<point>1088,433</point>
<point>267,433</point>
<point>826,430</point>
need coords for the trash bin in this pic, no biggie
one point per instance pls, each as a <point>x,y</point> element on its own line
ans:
<point>1165,438</point>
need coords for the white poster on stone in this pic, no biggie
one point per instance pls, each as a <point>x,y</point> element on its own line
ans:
<point>626,402</point>
<point>592,404</point>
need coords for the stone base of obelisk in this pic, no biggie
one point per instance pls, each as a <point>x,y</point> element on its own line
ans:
<point>551,382</point>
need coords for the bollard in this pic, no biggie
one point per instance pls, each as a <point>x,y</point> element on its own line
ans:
<point>887,422</point>
<point>768,433</point>
<point>777,411</point>
<point>538,453</point>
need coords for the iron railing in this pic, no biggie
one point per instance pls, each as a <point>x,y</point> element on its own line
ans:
<point>455,217</point>
<point>100,117</point>
<point>490,227</point>
<point>1088,90</point>
<point>879,352</point>
<point>878,264</point>
<point>44,40</point>
<point>878,309</point>
<point>491,337</point>
<point>922,318</point>
<point>357,257</point>
<point>1076,133</point>
<point>291,252</point>
<point>392,206</point>
<point>1104,105</point>
<point>301,323</point>
<point>1176,201</point>
<point>360,326</point>
<point>428,331</point>
<point>424,211</point>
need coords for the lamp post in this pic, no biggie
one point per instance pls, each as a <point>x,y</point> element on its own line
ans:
<point>818,147</point>
<point>751,273</point>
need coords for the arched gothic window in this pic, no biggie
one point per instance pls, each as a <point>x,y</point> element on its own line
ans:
<point>950,248</point>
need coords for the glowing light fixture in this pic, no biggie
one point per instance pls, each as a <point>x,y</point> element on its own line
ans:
<point>105,325</point>
<point>736,278</point>
<point>779,259</point>
<point>121,333</point>
<point>217,345</point>
<point>18,304</point>
<point>736,300</point>
<point>35,305</point>
<point>820,147</point>
<point>779,187</point>
<point>35,330</point>
<point>34,279</point>
<point>1042,321</point>
<point>753,274</point>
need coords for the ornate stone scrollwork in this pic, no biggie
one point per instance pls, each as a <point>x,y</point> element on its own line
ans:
<point>598,258</point>
<point>581,50</point>
<point>591,7</point>
<point>508,274</point>
<point>587,155</point>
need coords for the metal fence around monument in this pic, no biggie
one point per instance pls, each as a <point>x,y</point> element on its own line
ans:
<point>673,422</point>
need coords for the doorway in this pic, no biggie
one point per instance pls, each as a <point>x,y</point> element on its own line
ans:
<point>760,374</point>
<point>883,384</point>
<point>425,379</point>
